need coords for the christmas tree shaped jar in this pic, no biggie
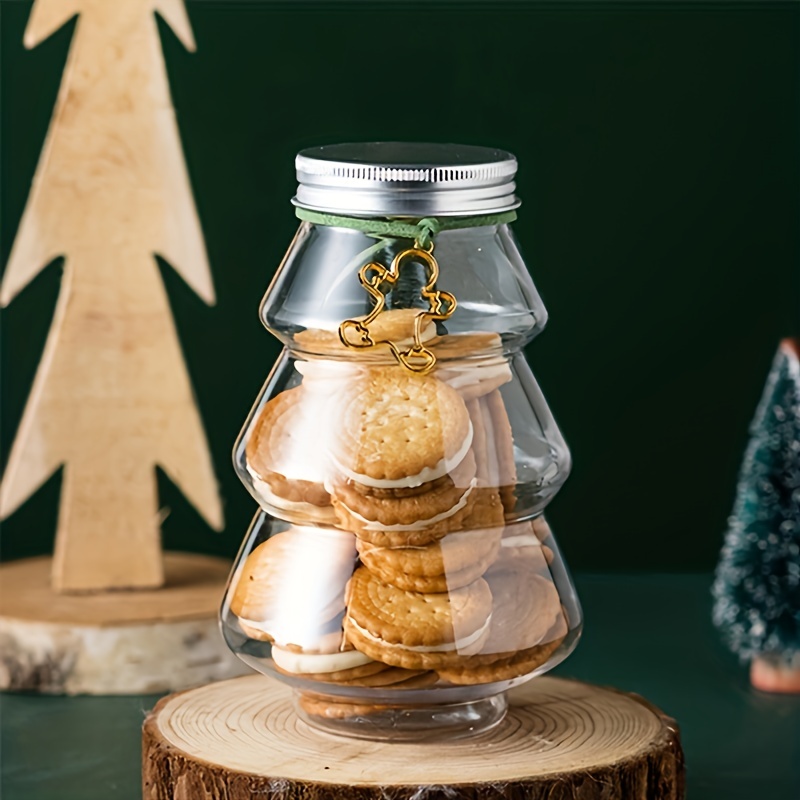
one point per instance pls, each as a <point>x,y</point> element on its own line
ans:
<point>400,575</point>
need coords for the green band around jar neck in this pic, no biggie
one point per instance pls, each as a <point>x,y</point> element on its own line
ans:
<point>421,231</point>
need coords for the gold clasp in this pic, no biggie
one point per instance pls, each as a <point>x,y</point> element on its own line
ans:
<point>441,305</point>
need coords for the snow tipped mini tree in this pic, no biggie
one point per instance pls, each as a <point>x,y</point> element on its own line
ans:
<point>757,586</point>
<point>112,397</point>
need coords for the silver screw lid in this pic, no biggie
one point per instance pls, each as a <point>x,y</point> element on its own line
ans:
<point>405,179</point>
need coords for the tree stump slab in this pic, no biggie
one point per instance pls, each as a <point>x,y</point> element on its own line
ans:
<point>561,740</point>
<point>119,642</point>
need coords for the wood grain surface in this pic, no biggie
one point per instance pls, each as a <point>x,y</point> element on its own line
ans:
<point>122,642</point>
<point>561,739</point>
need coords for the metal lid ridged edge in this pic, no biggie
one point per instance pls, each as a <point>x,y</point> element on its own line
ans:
<point>413,179</point>
<point>375,172</point>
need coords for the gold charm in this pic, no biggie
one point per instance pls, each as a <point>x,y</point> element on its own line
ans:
<point>373,276</point>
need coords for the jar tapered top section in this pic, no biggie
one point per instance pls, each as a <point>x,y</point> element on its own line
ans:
<point>387,179</point>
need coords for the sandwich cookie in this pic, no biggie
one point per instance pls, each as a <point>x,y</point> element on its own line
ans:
<point>394,325</point>
<point>457,346</point>
<point>291,591</point>
<point>473,364</point>
<point>340,666</point>
<point>282,456</point>
<point>398,429</point>
<point>444,565</point>
<point>330,376</point>
<point>528,625</point>
<point>520,542</point>
<point>493,444</point>
<point>503,437</point>
<point>484,511</point>
<point>414,630</point>
<point>523,663</point>
<point>485,456</point>
<point>449,495</point>
<point>335,668</point>
<point>478,379</point>
<point>329,708</point>
<point>326,707</point>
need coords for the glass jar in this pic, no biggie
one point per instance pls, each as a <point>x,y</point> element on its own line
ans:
<point>400,575</point>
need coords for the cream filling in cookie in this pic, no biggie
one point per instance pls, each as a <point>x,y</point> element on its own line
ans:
<point>327,372</point>
<point>492,462</point>
<point>372,525</point>
<point>442,468</point>
<point>521,540</point>
<point>308,637</point>
<point>445,647</point>
<point>469,376</point>
<point>264,490</point>
<point>305,663</point>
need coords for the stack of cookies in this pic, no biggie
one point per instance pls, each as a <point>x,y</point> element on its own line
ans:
<point>407,484</point>
<point>415,576</point>
<point>290,592</point>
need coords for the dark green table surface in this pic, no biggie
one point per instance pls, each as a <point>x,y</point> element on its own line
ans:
<point>649,634</point>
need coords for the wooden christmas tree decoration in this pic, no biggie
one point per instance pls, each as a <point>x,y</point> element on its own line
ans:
<point>112,398</point>
<point>561,740</point>
<point>757,589</point>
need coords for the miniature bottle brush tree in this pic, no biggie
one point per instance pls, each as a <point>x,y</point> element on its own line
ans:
<point>757,587</point>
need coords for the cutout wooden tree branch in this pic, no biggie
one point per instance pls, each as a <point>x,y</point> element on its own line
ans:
<point>112,397</point>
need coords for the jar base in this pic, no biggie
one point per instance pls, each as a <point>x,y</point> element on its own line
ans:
<point>401,723</point>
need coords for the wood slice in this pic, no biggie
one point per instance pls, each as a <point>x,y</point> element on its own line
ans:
<point>125,642</point>
<point>561,740</point>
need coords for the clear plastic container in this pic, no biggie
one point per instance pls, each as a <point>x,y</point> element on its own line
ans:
<point>400,575</point>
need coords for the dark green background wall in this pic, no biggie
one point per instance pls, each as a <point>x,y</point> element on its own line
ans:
<point>659,149</point>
